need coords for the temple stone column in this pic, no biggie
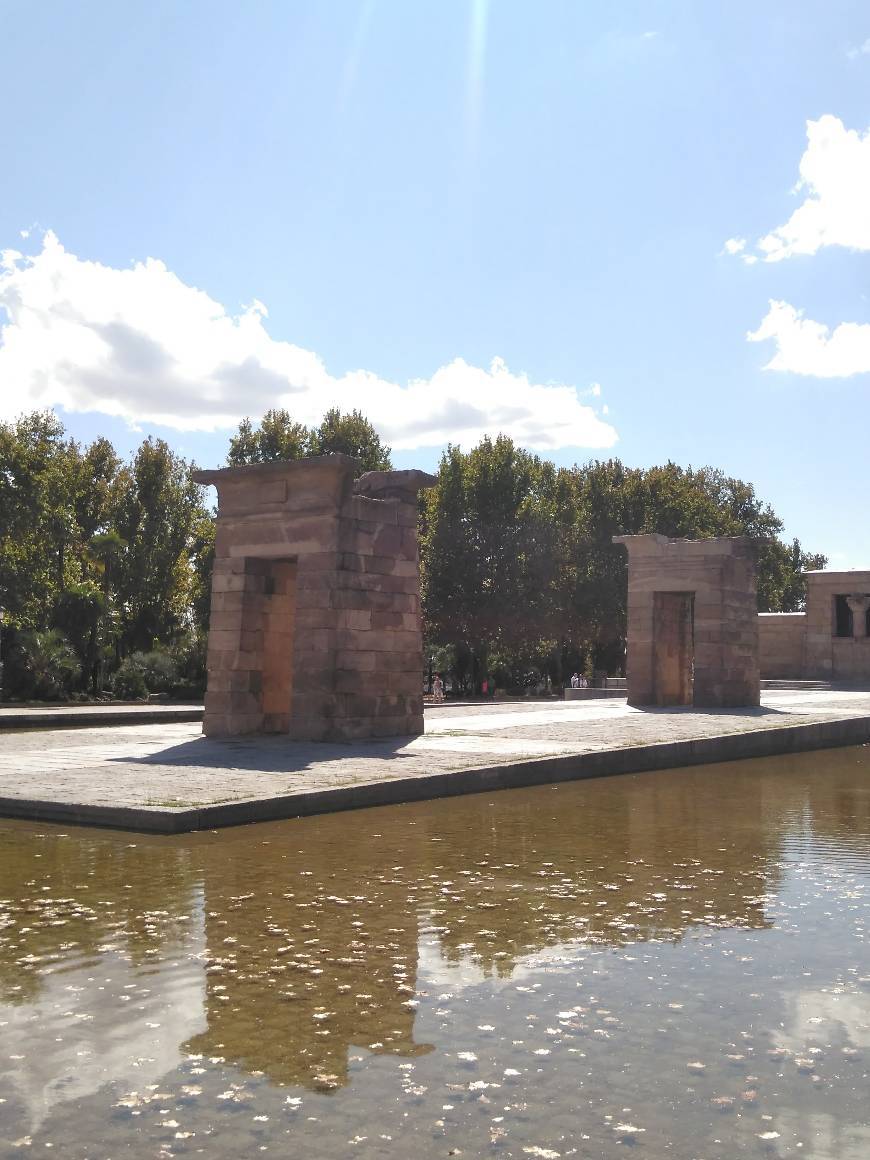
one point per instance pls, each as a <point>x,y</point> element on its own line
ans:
<point>315,628</point>
<point>692,621</point>
<point>858,606</point>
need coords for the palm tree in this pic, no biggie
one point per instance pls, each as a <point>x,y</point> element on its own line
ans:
<point>51,662</point>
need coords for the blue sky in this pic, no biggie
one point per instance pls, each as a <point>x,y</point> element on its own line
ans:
<point>367,202</point>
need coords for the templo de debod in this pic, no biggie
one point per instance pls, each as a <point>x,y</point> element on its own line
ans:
<point>695,638</point>
<point>315,618</point>
<point>692,621</point>
<point>827,642</point>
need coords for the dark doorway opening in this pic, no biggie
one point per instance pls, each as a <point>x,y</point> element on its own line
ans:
<point>673,647</point>
<point>843,625</point>
<point>276,617</point>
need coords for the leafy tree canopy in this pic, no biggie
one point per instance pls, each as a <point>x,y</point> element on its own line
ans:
<point>103,556</point>
<point>519,567</point>
<point>350,434</point>
<point>278,436</point>
<point>102,559</point>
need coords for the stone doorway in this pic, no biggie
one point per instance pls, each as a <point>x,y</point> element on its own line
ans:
<point>278,625</point>
<point>673,647</point>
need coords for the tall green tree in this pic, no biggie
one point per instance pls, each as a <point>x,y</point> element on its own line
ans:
<point>276,436</point>
<point>350,434</point>
<point>488,552</point>
<point>53,497</point>
<point>79,613</point>
<point>159,509</point>
<point>782,580</point>
<point>519,563</point>
<point>105,556</point>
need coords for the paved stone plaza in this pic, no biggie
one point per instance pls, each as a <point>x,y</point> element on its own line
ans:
<point>166,769</point>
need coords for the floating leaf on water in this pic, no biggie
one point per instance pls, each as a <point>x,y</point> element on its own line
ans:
<point>627,1131</point>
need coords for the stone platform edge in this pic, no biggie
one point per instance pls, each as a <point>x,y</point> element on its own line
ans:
<point>541,771</point>
<point>86,718</point>
<point>592,694</point>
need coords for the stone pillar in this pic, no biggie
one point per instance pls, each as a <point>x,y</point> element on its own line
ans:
<point>858,606</point>
<point>692,600</point>
<point>315,624</point>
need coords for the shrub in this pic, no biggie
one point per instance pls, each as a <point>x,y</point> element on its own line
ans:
<point>144,673</point>
<point>159,669</point>
<point>128,683</point>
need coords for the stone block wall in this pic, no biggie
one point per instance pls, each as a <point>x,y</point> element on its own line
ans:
<point>829,657</point>
<point>692,621</point>
<point>781,637</point>
<point>315,625</point>
<point>808,645</point>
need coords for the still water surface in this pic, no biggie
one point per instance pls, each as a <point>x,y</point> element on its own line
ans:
<point>664,965</point>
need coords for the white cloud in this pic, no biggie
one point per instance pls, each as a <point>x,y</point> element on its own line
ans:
<point>859,50</point>
<point>140,344</point>
<point>835,178</point>
<point>805,347</point>
<point>734,246</point>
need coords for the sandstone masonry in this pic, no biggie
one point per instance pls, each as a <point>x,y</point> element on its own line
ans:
<point>315,617</point>
<point>830,641</point>
<point>692,621</point>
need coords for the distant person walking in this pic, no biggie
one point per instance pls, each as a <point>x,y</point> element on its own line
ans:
<point>575,681</point>
<point>438,689</point>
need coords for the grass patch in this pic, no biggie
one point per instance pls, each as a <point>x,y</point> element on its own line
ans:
<point>180,804</point>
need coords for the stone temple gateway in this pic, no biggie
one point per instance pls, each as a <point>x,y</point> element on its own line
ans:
<point>315,628</point>
<point>692,621</point>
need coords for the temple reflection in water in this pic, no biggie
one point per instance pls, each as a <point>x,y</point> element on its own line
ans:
<point>305,935</point>
<point>389,965</point>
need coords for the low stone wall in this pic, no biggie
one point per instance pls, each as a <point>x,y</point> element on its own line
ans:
<point>781,644</point>
<point>851,660</point>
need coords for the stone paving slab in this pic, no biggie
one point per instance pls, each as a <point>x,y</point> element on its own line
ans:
<point>169,777</point>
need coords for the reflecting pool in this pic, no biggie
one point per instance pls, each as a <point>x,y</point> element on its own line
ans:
<point>675,963</point>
